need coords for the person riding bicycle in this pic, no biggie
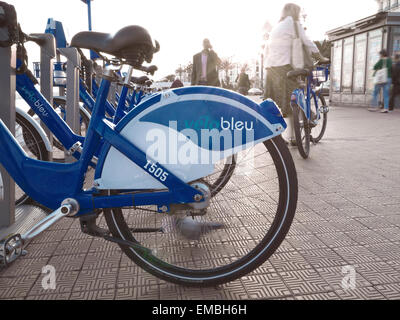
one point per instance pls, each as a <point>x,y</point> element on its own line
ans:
<point>279,58</point>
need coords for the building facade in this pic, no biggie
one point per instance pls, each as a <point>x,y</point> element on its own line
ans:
<point>355,50</point>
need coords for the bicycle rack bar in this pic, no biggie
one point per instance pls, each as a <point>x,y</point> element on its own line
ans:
<point>47,54</point>
<point>7,115</point>
<point>111,94</point>
<point>72,107</point>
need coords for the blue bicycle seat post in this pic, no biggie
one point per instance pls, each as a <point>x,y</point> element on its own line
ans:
<point>7,115</point>
<point>120,113</point>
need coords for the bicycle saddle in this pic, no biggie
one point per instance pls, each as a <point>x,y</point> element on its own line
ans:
<point>298,73</point>
<point>132,43</point>
<point>140,81</point>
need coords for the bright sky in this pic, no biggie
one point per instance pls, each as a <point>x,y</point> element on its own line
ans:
<point>233,26</point>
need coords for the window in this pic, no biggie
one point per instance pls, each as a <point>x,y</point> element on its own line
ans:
<point>360,59</point>
<point>386,5</point>
<point>337,66</point>
<point>347,66</point>
<point>374,47</point>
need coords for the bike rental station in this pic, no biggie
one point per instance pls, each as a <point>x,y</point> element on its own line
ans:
<point>21,219</point>
<point>168,184</point>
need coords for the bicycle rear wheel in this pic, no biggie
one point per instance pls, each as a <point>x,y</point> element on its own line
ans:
<point>317,132</point>
<point>256,207</point>
<point>32,143</point>
<point>302,131</point>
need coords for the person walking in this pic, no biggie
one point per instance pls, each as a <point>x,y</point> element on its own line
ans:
<point>243,82</point>
<point>205,65</point>
<point>396,82</point>
<point>383,80</point>
<point>279,59</point>
<point>177,84</point>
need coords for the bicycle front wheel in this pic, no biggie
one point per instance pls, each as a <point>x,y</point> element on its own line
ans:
<point>254,210</point>
<point>302,131</point>
<point>318,131</point>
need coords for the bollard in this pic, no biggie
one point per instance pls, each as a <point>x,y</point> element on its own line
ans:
<point>72,106</point>
<point>7,115</point>
<point>47,54</point>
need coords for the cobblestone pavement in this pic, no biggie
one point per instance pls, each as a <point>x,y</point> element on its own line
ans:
<point>348,215</point>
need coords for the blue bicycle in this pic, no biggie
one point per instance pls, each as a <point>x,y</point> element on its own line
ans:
<point>151,176</point>
<point>310,111</point>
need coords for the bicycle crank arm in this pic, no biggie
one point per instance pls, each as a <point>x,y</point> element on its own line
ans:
<point>69,208</point>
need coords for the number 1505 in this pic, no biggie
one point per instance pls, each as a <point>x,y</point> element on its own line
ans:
<point>156,171</point>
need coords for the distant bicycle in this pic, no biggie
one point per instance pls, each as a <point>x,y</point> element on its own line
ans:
<point>310,111</point>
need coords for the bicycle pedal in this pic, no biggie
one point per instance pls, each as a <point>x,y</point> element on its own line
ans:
<point>11,249</point>
<point>324,109</point>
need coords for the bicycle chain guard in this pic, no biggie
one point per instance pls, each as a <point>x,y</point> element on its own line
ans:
<point>11,249</point>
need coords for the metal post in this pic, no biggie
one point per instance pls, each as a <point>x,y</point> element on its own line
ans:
<point>111,94</point>
<point>47,54</point>
<point>89,14</point>
<point>7,115</point>
<point>72,106</point>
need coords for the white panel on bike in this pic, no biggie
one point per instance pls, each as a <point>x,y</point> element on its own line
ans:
<point>218,122</point>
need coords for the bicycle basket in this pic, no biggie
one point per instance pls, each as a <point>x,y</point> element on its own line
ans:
<point>320,75</point>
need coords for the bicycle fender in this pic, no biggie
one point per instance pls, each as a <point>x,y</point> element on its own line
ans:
<point>299,99</point>
<point>37,127</point>
<point>188,130</point>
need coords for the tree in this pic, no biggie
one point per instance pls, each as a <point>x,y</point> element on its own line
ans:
<point>324,47</point>
<point>227,65</point>
<point>189,70</point>
<point>179,72</point>
<point>170,78</point>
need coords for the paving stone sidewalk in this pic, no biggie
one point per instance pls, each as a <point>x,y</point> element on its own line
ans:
<point>348,215</point>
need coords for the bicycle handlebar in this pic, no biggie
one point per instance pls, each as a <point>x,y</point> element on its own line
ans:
<point>150,70</point>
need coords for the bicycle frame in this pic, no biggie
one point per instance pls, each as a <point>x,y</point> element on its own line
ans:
<point>303,98</point>
<point>39,104</point>
<point>89,101</point>
<point>41,180</point>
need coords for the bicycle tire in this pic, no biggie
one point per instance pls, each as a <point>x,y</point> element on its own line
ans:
<point>270,239</point>
<point>216,185</point>
<point>323,124</point>
<point>302,131</point>
<point>33,144</point>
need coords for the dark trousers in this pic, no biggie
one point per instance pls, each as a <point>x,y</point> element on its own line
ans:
<point>395,93</point>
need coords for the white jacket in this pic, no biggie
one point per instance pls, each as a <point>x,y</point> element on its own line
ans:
<point>279,46</point>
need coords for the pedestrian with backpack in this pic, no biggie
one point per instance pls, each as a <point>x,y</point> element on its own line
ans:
<point>382,81</point>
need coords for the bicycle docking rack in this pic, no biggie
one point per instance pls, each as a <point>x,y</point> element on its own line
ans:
<point>47,54</point>
<point>72,99</point>
<point>7,115</point>
<point>13,246</point>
